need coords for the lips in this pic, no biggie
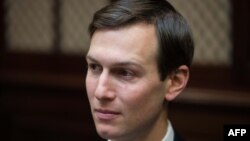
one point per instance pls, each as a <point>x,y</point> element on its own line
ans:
<point>104,114</point>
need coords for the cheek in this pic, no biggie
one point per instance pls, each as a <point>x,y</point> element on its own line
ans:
<point>90,86</point>
<point>142,105</point>
<point>143,97</point>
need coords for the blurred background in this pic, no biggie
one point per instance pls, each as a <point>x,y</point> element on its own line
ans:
<point>42,69</point>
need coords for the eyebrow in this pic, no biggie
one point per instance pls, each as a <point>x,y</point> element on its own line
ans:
<point>88,57</point>
<point>117,64</point>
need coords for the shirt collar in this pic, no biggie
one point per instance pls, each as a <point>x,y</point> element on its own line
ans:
<point>169,136</point>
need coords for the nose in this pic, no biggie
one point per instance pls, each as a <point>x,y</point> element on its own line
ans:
<point>104,89</point>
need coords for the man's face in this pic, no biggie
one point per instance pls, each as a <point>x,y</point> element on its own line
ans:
<point>123,85</point>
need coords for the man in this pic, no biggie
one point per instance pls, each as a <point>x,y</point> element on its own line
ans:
<point>138,61</point>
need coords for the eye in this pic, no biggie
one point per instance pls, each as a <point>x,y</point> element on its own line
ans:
<point>95,68</point>
<point>125,74</point>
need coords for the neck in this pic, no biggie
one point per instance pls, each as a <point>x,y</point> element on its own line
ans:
<point>155,132</point>
<point>159,129</point>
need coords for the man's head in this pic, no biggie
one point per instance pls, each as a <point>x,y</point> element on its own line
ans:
<point>175,43</point>
<point>136,62</point>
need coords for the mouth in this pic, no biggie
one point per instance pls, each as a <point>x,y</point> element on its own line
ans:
<point>105,115</point>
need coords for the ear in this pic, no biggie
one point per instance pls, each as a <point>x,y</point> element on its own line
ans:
<point>176,82</point>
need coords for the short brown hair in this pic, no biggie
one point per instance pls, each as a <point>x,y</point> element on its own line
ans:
<point>174,35</point>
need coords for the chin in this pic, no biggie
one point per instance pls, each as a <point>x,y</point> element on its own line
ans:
<point>107,133</point>
<point>104,131</point>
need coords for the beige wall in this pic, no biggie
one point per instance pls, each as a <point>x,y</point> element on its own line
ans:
<point>30,26</point>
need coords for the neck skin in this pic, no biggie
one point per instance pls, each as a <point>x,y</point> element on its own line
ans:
<point>156,132</point>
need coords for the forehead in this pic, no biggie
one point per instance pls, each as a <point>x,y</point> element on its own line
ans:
<point>135,42</point>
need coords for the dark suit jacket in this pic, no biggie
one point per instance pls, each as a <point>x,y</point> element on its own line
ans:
<point>177,137</point>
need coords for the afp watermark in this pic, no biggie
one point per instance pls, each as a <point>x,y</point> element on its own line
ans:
<point>236,132</point>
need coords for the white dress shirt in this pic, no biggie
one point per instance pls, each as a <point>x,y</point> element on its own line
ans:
<point>169,136</point>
